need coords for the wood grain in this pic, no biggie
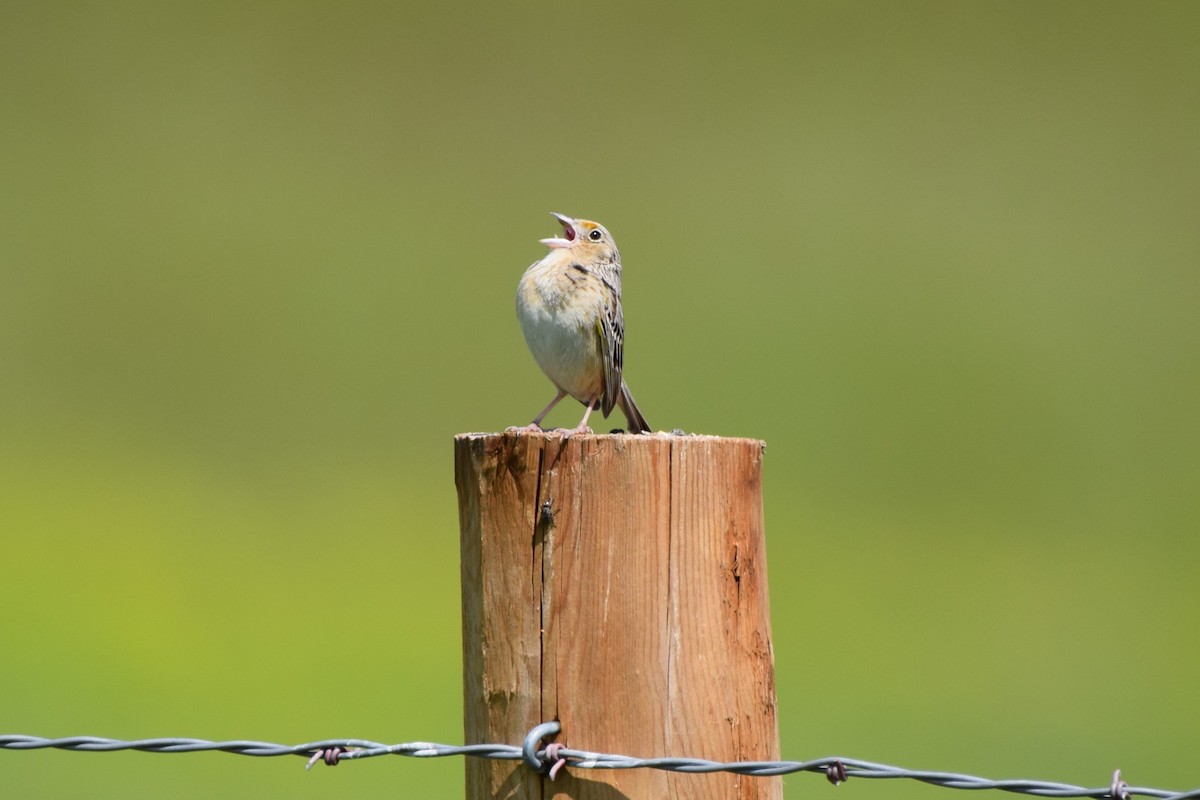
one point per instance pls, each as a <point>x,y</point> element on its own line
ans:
<point>617,584</point>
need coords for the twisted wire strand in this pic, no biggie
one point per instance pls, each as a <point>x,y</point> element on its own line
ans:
<point>837,769</point>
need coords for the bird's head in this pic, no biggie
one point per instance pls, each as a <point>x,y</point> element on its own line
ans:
<point>584,240</point>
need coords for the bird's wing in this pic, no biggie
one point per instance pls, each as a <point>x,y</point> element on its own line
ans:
<point>610,328</point>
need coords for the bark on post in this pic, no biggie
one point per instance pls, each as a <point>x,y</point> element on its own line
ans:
<point>617,584</point>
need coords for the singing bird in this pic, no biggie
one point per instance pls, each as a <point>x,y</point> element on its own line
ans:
<point>569,304</point>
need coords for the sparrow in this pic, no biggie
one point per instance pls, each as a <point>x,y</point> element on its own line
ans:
<point>569,305</point>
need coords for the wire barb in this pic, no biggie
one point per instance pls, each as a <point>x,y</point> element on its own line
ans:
<point>1119,790</point>
<point>552,755</point>
<point>330,755</point>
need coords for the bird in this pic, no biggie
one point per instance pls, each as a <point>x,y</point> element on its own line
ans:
<point>569,305</point>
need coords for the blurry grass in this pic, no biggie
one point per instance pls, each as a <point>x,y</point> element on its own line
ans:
<point>162,604</point>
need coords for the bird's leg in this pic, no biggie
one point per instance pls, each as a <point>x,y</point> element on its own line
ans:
<point>536,425</point>
<point>537,421</point>
<point>582,427</point>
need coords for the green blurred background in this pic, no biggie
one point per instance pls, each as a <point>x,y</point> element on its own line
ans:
<point>257,266</point>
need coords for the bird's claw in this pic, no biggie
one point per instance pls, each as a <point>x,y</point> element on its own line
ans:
<point>567,433</point>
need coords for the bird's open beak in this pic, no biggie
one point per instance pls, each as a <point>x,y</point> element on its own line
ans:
<point>569,234</point>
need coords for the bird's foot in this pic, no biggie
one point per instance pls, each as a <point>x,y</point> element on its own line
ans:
<point>532,427</point>
<point>567,433</point>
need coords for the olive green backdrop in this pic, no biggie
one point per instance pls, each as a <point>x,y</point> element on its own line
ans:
<point>257,266</point>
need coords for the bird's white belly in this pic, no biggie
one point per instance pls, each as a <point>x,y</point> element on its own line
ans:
<point>564,345</point>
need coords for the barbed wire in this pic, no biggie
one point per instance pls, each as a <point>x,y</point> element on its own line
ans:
<point>553,757</point>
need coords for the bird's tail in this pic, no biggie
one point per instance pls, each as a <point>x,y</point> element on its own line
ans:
<point>637,423</point>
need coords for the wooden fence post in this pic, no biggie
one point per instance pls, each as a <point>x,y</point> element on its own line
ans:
<point>616,584</point>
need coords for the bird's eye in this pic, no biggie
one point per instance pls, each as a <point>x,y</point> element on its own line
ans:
<point>595,236</point>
